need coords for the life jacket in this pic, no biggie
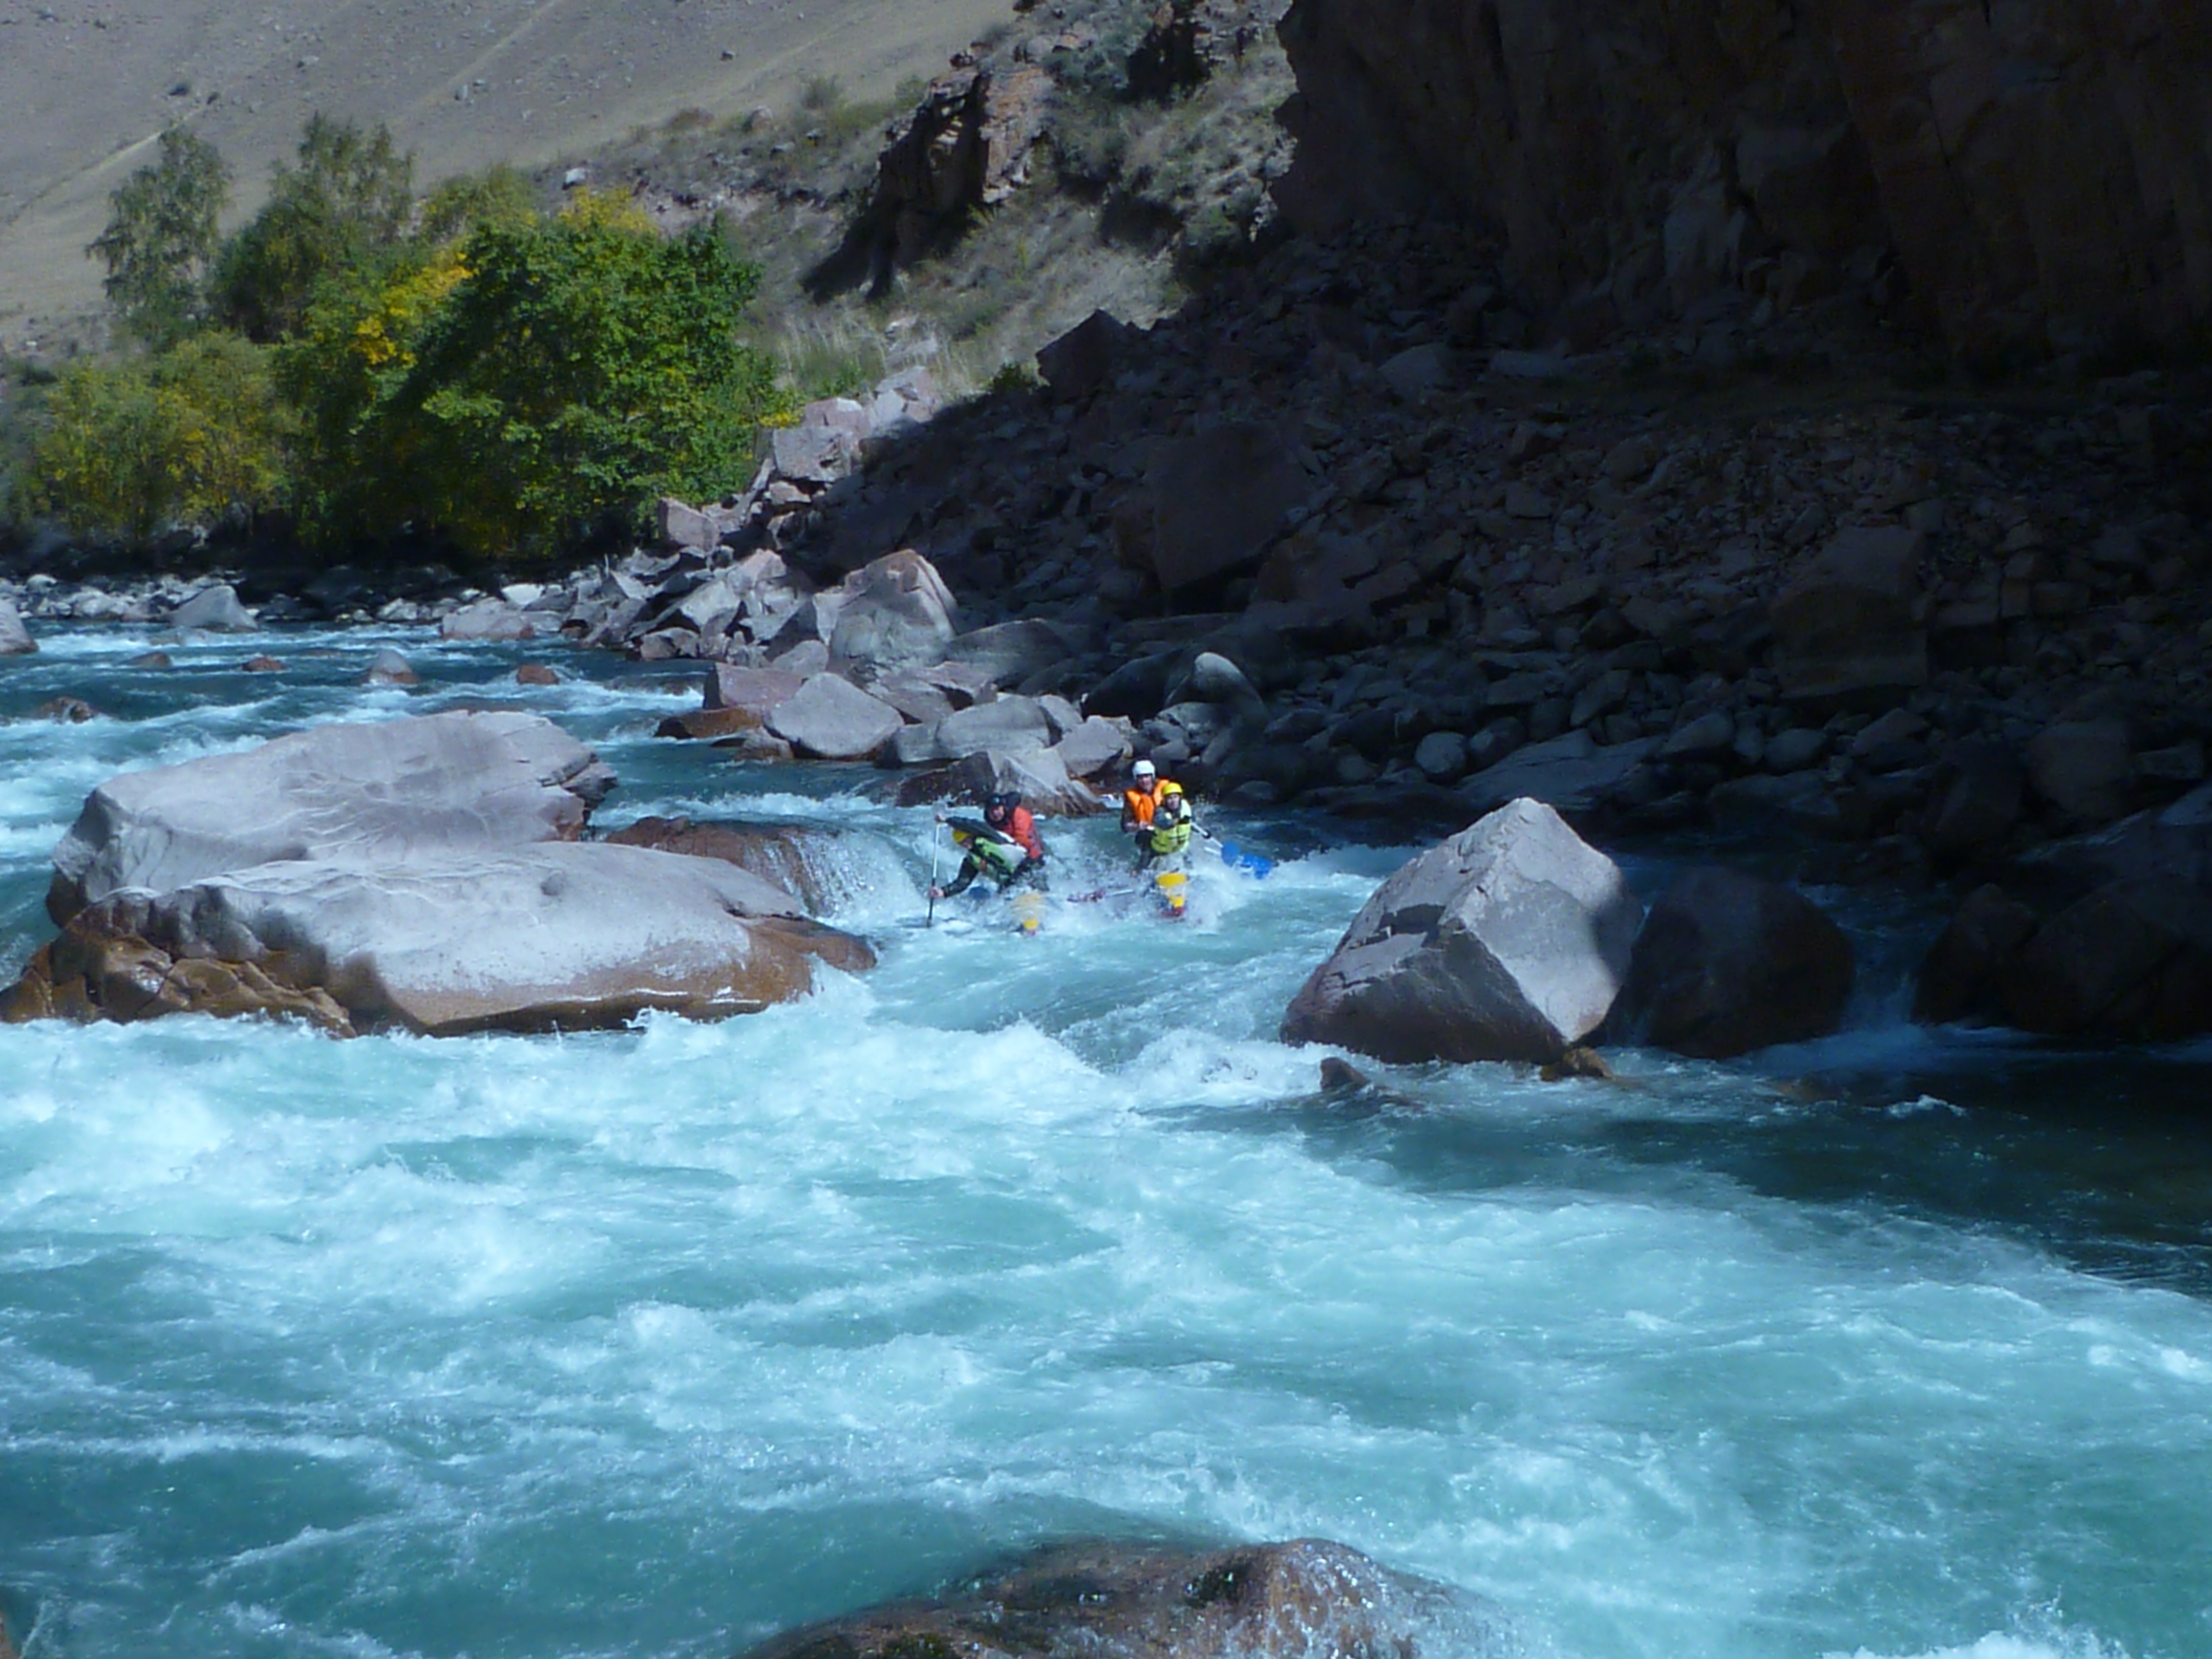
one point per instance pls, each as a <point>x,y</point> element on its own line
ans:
<point>1021,824</point>
<point>1137,806</point>
<point>1171,823</point>
<point>994,852</point>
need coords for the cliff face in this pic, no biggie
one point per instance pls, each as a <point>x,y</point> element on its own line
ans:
<point>2039,172</point>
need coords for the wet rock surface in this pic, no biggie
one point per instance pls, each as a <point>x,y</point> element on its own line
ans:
<point>558,936</point>
<point>1130,1601</point>
<point>1508,941</point>
<point>381,790</point>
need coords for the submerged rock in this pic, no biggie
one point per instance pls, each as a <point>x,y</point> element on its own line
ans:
<point>1508,941</point>
<point>389,789</point>
<point>1291,1600</point>
<point>561,935</point>
<point>388,667</point>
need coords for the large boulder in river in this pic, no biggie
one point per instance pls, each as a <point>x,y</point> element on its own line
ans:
<point>15,640</point>
<point>1039,776</point>
<point>556,936</point>
<point>385,790</point>
<point>830,718</point>
<point>213,610</point>
<point>1727,962</point>
<point>1508,941</point>
<point>2132,961</point>
<point>1007,724</point>
<point>1291,1600</point>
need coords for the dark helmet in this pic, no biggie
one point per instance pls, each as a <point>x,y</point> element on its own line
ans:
<point>1001,806</point>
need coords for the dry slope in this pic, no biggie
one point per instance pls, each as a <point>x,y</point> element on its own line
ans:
<point>86,85</point>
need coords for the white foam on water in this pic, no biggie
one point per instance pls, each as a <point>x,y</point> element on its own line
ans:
<point>654,1341</point>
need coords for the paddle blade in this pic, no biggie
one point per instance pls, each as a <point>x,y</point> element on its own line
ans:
<point>1251,863</point>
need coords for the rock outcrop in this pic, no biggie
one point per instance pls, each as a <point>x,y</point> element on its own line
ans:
<point>558,935</point>
<point>1727,963</point>
<point>380,791</point>
<point>1287,1600</point>
<point>1508,941</point>
<point>2038,172</point>
<point>2105,937</point>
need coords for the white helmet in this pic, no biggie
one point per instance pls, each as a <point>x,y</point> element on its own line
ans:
<point>1144,768</point>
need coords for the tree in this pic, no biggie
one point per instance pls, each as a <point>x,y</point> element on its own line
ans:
<point>161,238</point>
<point>541,382</point>
<point>345,203</point>
<point>195,435</point>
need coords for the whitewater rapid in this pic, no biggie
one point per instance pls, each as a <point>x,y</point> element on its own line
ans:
<point>659,1342</point>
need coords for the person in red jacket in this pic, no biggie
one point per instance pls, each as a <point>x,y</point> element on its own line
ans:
<point>1010,853</point>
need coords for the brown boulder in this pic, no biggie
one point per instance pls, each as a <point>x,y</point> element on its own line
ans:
<point>557,936</point>
<point>1293,1600</point>
<point>1959,978</point>
<point>708,724</point>
<point>796,857</point>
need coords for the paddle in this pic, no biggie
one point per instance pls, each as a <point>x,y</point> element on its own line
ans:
<point>1238,858</point>
<point>930,921</point>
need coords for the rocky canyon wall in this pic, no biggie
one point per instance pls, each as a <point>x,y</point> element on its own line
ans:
<point>2013,172</point>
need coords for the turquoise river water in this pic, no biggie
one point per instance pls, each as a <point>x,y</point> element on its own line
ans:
<point>656,1342</point>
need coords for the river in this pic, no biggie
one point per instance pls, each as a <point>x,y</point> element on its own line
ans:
<point>656,1342</point>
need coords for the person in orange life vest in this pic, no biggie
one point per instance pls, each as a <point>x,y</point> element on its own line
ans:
<point>1138,802</point>
<point>1011,853</point>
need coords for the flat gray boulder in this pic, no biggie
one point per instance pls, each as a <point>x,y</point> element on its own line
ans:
<point>829,718</point>
<point>556,936</point>
<point>1508,941</point>
<point>15,640</point>
<point>387,790</point>
<point>213,610</point>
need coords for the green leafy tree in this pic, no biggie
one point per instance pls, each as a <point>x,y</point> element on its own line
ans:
<point>162,238</point>
<point>344,203</point>
<point>194,435</point>
<point>537,383</point>
<point>498,196</point>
